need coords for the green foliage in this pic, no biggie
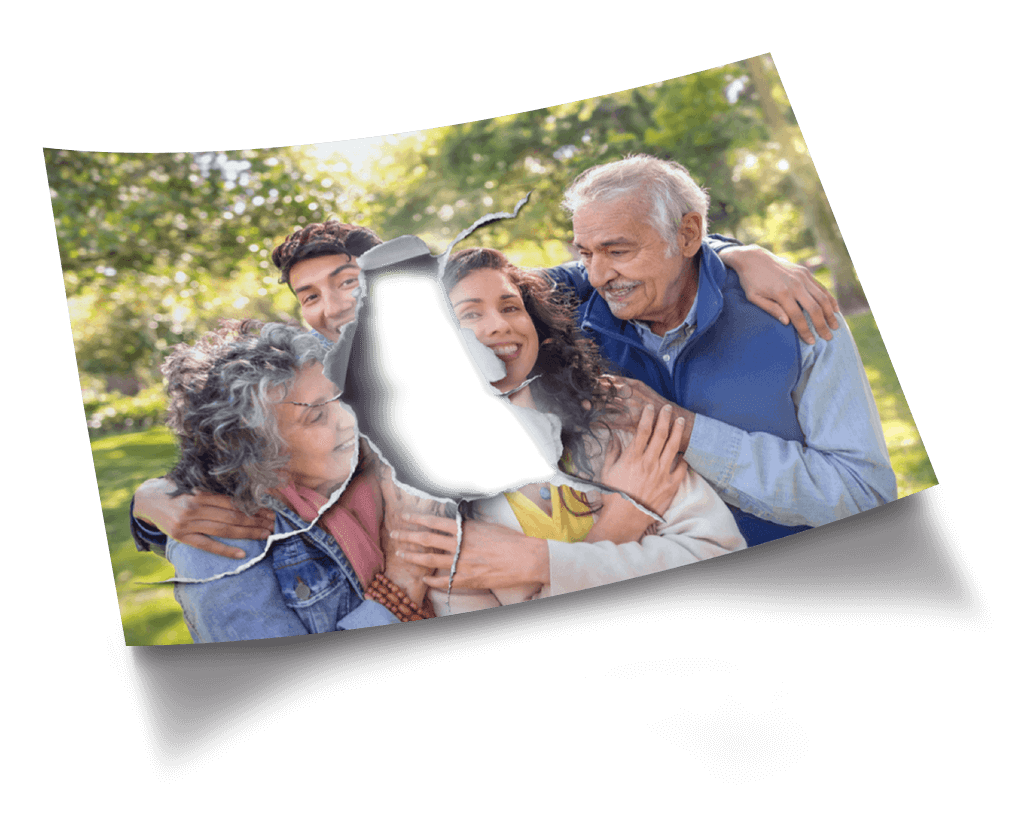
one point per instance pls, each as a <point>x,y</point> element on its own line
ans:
<point>114,411</point>
<point>157,247</point>
<point>699,121</point>
<point>779,226</point>
<point>451,176</point>
<point>438,183</point>
<point>907,453</point>
<point>131,214</point>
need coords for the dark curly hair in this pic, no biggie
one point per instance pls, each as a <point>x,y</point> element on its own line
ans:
<point>569,365</point>
<point>321,239</point>
<point>221,394</point>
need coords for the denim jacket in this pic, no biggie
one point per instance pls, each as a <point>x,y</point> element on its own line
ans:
<point>304,584</point>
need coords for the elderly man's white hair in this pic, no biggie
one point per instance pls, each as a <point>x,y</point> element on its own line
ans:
<point>666,187</point>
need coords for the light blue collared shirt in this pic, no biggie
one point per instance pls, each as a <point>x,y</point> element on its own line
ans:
<point>667,347</point>
<point>842,468</point>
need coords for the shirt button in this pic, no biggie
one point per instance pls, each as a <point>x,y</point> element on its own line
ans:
<point>302,591</point>
<point>665,358</point>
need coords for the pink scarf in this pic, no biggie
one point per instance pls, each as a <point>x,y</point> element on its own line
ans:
<point>354,520</point>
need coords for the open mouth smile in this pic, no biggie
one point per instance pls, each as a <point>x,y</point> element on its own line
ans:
<point>506,351</point>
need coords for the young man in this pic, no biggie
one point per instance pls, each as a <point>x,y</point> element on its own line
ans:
<point>319,263</point>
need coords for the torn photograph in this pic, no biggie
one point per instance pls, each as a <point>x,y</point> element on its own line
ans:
<point>344,385</point>
<point>507,372</point>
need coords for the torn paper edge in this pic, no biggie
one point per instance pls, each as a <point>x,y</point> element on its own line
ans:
<point>526,417</point>
<point>549,444</point>
<point>330,354</point>
<point>276,536</point>
<point>541,429</point>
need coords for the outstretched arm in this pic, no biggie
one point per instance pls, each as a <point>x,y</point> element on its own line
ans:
<point>196,520</point>
<point>696,526</point>
<point>645,466</point>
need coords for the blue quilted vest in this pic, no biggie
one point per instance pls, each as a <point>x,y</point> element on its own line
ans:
<point>740,366</point>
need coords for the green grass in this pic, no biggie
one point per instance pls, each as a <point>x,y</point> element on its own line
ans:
<point>124,461</point>
<point>907,453</point>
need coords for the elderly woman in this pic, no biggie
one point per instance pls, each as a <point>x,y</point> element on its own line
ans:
<point>319,262</point>
<point>549,537</point>
<point>258,421</point>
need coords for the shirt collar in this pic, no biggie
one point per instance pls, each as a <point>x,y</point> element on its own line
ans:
<point>685,329</point>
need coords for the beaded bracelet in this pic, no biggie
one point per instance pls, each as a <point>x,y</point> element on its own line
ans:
<point>393,598</point>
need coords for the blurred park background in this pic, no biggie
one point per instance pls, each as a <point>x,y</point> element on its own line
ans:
<point>156,247</point>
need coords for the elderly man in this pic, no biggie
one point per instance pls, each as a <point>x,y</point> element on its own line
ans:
<point>319,263</point>
<point>786,431</point>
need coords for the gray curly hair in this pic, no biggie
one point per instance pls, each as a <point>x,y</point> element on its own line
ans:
<point>664,185</point>
<point>221,393</point>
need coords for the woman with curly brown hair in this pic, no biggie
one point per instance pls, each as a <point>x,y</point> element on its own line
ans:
<point>555,537</point>
<point>319,262</point>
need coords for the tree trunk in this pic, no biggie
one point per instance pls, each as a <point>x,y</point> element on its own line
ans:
<point>815,206</point>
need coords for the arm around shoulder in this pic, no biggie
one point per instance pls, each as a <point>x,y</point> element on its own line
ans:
<point>198,519</point>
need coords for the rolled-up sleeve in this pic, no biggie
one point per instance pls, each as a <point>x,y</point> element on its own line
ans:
<point>146,537</point>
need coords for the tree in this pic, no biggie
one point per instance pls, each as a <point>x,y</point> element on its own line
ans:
<point>156,246</point>
<point>447,178</point>
<point>700,121</point>
<point>816,208</point>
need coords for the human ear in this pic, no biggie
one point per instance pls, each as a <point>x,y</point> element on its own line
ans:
<point>689,236</point>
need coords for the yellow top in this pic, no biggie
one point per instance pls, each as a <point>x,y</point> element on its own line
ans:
<point>570,522</point>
